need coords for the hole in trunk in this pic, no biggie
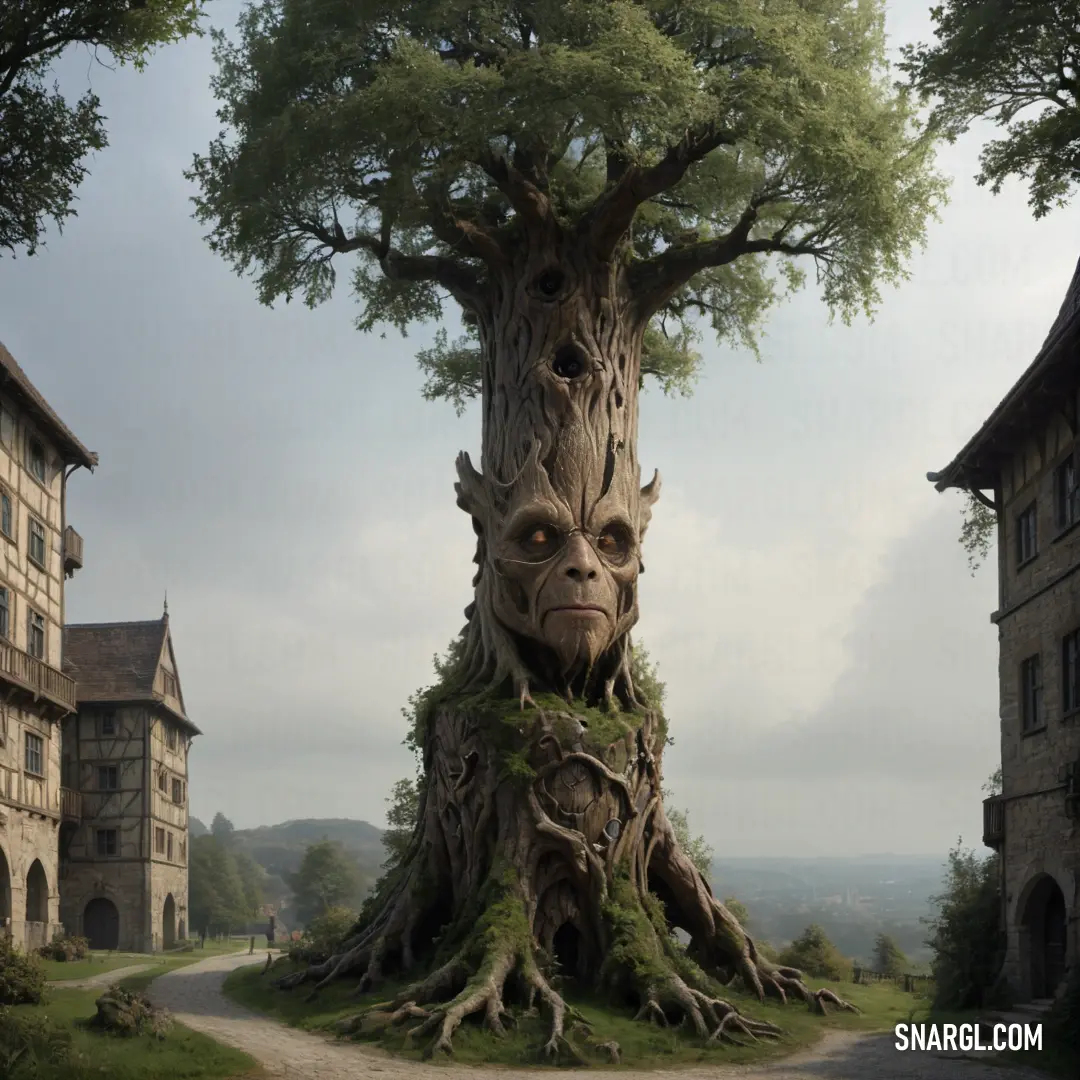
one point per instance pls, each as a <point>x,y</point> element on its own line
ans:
<point>569,362</point>
<point>567,949</point>
<point>550,282</point>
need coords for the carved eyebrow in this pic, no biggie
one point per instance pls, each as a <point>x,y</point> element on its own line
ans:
<point>535,515</point>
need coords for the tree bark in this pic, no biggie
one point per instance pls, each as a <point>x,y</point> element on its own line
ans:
<point>542,844</point>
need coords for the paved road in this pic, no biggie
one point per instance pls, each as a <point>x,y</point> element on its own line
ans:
<point>108,978</point>
<point>194,995</point>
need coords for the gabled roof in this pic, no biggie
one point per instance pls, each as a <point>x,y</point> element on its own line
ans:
<point>1038,393</point>
<point>117,663</point>
<point>14,380</point>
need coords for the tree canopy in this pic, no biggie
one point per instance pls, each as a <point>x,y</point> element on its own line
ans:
<point>688,140</point>
<point>327,879</point>
<point>225,888</point>
<point>889,958</point>
<point>44,138</point>
<point>1015,63</point>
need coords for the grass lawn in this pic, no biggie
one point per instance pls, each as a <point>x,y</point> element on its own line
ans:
<point>100,963</point>
<point>642,1045</point>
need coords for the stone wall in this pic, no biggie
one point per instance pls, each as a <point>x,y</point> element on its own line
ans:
<point>27,838</point>
<point>121,883</point>
<point>1040,604</point>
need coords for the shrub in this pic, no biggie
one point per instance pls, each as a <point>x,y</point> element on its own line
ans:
<point>888,959</point>
<point>29,1041</point>
<point>322,936</point>
<point>22,978</point>
<point>965,932</point>
<point>125,1012</point>
<point>66,947</point>
<point>814,954</point>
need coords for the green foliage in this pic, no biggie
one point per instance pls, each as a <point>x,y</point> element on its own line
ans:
<point>404,805</point>
<point>29,1043</point>
<point>327,879</point>
<point>692,141</point>
<point>695,847</point>
<point>44,139</point>
<point>738,909</point>
<point>221,828</point>
<point>126,1012</point>
<point>965,931</point>
<point>322,936</point>
<point>65,947</point>
<point>888,957</point>
<point>978,530</point>
<point>993,782</point>
<point>1015,64</point>
<point>647,684</point>
<point>22,978</point>
<point>223,889</point>
<point>813,953</point>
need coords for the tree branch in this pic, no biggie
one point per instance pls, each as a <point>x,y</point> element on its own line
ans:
<point>525,197</point>
<point>608,221</point>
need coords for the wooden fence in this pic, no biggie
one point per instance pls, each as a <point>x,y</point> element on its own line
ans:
<point>909,983</point>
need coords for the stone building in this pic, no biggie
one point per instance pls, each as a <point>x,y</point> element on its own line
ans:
<point>1024,463</point>
<point>124,867</point>
<point>38,551</point>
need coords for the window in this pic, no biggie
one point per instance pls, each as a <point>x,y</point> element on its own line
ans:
<point>107,778</point>
<point>7,517</point>
<point>107,724</point>
<point>168,846</point>
<point>35,634</point>
<point>1070,672</point>
<point>35,458</point>
<point>1026,547</point>
<point>1031,703</point>
<point>162,780</point>
<point>35,754</point>
<point>7,427</point>
<point>37,543</point>
<point>170,684</point>
<point>1067,493</point>
<point>107,842</point>
<point>183,851</point>
<point>170,736</point>
<point>159,841</point>
<point>178,792</point>
<point>5,612</point>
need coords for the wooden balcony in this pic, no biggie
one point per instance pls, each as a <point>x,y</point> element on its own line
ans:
<point>70,805</point>
<point>26,672</point>
<point>73,551</point>
<point>994,821</point>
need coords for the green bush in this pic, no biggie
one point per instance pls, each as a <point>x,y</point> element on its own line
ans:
<point>22,978</point>
<point>814,954</point>
<point>966,937</point>
<point>66,947</point>
<point>28,1042</point>
<point>322,936</point>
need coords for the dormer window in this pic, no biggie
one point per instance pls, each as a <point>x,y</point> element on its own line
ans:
<point>169,680</point>
<point>35,458</point>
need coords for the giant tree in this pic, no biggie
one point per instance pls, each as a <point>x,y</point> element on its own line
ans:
<point>586,181</point>
<point>45,139</point>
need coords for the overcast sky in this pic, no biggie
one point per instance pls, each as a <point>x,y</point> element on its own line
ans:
<point>830,663</point>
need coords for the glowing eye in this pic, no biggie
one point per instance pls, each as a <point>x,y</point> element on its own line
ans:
<point>540,539</point>
<point>614,543</point>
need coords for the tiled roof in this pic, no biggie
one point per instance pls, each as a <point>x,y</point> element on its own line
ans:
<point>116,662</point>
<point>1037,393</point>
<point>13,376</point>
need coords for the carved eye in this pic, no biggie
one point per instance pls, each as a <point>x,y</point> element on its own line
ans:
<point>549,282</point>
<point>539,541</point>
<point>615,543</point>
<point>569,361</point>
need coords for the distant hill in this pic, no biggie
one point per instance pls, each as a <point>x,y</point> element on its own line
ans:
<point>196,828</point>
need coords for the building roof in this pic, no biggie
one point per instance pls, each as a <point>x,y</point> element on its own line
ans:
<point>1036,395</point>
<point>117,663</point>
<point>13,378</point>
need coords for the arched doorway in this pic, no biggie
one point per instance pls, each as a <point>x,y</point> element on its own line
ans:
<point>168,923</point>
<point>101,924</point>
<point>37,894</point>
<point>1044,918</point>
<point>5,893</point>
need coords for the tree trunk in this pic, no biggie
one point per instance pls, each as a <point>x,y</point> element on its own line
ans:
<point>542,843</point>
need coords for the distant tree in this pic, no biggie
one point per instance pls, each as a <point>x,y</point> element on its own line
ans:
<point>966,936</point>
<point>812,952</point>
<point>404,802</point>
<point>326,879</point>
<point>888,958</point>
<point>697,849</point>
<point>252,881</point>
<point>738,909</point>
<point>216,896</point>
<point>993,783</point>
<point>221,828</point>
<point>1018,65</point>
<point>45,139</point>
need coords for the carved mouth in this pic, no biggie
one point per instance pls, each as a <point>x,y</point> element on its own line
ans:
<point>579,609</point>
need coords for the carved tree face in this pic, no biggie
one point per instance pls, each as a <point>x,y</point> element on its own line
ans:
<point>570,584</point>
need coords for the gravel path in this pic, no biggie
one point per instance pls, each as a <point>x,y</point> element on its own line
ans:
<point>106,979</point>
<point>194,995</point>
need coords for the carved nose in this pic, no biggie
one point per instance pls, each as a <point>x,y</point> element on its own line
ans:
<point>581,562</point>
